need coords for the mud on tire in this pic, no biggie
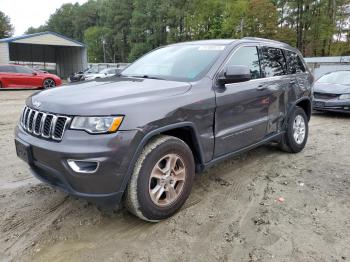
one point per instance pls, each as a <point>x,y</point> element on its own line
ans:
<point>139,199</point>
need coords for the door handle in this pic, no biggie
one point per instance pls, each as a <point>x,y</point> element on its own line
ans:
<point>261,87</point>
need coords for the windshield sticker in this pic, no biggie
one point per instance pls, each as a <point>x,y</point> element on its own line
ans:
<point>211,48</point>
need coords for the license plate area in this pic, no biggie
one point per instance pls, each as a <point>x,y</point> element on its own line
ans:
<point>319,104</point>
<point>24,151</point>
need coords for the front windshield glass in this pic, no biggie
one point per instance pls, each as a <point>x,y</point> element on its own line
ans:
<point>177,62</point>
<point>341,78</point>
<point>105,71</point>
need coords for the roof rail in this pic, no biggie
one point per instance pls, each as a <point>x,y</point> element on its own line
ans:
<point>262,39</point>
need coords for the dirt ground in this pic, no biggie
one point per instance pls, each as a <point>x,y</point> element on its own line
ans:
<point>265,205</point>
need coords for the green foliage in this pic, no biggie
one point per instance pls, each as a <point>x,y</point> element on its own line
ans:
<point>131,28</point>
<point>97,41</point>
<point>6,29</point>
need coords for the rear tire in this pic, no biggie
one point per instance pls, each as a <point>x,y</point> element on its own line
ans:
<point>295,138</point>
<point>162,179</point>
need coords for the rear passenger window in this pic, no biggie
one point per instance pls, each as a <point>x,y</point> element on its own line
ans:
<point>272,62</point>
<point>7,69</point>
<point>294,63</point>
<point>247,56</point>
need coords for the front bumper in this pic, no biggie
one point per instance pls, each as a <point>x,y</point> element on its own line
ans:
<point>113,152</point>
<point>333,105</point>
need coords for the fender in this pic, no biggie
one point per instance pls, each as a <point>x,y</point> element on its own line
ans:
<point>156,132</point>
<point>292,106</point>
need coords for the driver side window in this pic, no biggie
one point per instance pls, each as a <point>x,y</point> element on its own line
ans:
<point>247,56</point>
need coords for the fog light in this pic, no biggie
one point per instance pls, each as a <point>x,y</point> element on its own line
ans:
<point>83,166</point>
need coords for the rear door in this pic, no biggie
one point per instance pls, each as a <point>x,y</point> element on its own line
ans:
<point>28,77</point>
<point>297,68</point>
<point>242,108</point>
<point>278,83</point>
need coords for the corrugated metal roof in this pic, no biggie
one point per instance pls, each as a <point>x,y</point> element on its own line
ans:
<point>328,59</point>
<point>23,37</point>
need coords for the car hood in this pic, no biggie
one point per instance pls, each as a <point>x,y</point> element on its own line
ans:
<point>106,96</point>
<point>331,88</point>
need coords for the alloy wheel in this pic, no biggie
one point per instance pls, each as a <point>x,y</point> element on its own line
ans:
<point>49,83</point>
<point>167,180</point>
<point>299,130</point>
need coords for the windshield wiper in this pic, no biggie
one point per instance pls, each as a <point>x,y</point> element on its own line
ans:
<point>148,77</point>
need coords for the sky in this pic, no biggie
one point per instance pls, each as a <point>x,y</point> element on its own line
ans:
<point>27,13</point>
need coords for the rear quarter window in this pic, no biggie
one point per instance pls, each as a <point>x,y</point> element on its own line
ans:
<point>295,64</point>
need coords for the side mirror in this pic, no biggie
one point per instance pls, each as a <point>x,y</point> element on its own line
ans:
<point>234,74</point>
<point>35,73</point>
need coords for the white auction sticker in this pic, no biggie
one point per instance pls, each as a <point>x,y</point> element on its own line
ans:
<point>211,48</point>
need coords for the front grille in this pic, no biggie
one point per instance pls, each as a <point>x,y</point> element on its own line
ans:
<point>43,124</point>
<point>325,96</point>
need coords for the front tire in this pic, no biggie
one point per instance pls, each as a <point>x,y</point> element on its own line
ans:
<point>295,138</point>
<point>49,83</point>
<point>162,179</point>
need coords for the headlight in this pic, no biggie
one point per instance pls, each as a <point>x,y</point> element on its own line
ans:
<point>346,96</point>
<point>97,124</point>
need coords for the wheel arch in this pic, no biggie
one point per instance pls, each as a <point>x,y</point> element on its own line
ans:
<point>185,131</point>
<point>306,105</point>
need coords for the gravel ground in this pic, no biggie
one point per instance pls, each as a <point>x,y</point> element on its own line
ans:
<point>265,205</point>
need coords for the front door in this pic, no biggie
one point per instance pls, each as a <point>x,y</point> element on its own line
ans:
<point>241,115</point>
<point>28,78</point>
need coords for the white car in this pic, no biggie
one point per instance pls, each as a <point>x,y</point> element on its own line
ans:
<point>102,74</point>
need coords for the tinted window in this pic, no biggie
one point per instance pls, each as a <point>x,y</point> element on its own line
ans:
<point>247,56</point>
<point>294,63</point>
<point>7,69</point>
<point>23,70</point>
<point>272,62</point>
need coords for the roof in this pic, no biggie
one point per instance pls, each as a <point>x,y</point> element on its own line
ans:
<point>49,40</point>
<point>328,59</point>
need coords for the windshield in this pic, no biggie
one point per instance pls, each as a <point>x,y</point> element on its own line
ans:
<point>341,78</point>
<point>178,62</point>
<point>105,71</point>
<point>91,70</point>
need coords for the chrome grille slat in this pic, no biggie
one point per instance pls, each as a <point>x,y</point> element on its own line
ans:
<point>43,124</point>
<point>43,118</point>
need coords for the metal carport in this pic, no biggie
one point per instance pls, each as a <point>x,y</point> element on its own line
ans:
<point>47,47</point>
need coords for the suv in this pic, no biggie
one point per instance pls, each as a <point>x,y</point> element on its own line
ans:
<point>139,137</point>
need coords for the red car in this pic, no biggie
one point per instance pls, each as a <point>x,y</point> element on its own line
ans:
<point>16,76</point>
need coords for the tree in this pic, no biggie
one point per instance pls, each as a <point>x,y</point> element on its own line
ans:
<point>261,19</point>
<point>6,29</point>
<point>32,30</point>
<point>116,15</point>
<point>98,44</point>
<point>133,27</point>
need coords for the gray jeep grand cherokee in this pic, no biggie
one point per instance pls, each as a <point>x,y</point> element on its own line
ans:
<point>141,136</point>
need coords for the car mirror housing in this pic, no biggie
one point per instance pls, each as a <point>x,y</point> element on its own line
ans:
<point>234,74</point>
